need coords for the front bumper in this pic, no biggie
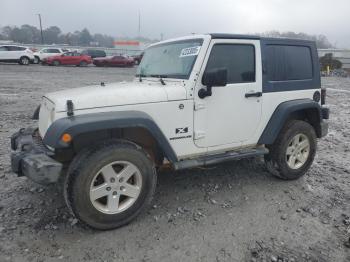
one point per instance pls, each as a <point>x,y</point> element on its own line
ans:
<point>31,158</point>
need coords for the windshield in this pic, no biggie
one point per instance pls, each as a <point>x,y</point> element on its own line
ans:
<point>170,60</point>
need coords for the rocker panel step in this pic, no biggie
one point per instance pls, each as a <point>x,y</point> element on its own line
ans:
<point>219,158</point>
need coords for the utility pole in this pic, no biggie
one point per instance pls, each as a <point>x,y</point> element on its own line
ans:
<point>139,24</point>
<point>41,29</point>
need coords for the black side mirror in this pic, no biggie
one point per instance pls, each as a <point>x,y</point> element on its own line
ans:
<point>211,78</point>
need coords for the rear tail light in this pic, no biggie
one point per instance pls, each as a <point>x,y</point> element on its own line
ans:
<point>323,96</point>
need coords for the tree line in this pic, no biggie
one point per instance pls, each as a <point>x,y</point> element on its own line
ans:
<point>28,34</point>
<point>322,41</point>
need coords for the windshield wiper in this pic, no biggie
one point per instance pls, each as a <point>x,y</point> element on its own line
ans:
<point>160,78</point>
<point>156,76</point>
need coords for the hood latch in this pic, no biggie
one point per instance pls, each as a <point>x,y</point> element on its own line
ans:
<point>70,108</point>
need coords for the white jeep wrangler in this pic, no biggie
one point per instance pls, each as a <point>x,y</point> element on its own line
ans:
<point>195,101</point>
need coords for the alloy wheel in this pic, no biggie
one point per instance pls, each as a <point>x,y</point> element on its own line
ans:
<point>116,187</point>
<point>298,151</point>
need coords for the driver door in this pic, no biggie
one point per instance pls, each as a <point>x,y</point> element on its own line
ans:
<point>228,118</point>
<point>66,58</point>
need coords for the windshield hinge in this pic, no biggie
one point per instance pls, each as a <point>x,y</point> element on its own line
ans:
<point>199,135</point>
<point>198,106</point>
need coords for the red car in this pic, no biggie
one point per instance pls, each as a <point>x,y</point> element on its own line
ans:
<point>138,58</point>
<point>117,60</point>
<point>69,58</point>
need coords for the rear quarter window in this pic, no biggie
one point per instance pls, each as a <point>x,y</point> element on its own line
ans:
<point>53,51</point>
<point>288,63</point>
<point>16,48</point>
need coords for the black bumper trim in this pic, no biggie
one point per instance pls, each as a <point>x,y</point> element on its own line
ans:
<point>32,159</point>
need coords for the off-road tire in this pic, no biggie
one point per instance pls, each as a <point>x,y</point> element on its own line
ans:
<point>83,169</point>
<point>276,161</point>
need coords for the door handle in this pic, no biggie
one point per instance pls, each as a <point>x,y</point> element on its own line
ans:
<point>256,94</point>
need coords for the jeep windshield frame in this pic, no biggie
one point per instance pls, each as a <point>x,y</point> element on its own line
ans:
<point>174,59</point>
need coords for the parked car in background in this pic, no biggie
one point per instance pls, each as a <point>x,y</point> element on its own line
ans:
<point>94,53</point>
<point>48,52</point>
<point>16,54</point>
<point>138,58</point>
<point>69,58</point>
<point>118,60</point>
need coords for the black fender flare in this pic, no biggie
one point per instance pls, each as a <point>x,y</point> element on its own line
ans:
<point>80,124</point>
<point>281,115</point>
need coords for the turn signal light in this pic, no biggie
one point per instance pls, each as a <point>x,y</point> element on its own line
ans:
<point>66,138</point>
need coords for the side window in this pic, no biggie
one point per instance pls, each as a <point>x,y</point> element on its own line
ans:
<point>53,51</point>
<point>238,59</point>
<point>288,63</point>
<point>3,48</point>
<point>16,48</point>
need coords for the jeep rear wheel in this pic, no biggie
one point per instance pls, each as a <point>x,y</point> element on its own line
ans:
<point>293,152</point>
<point>109,185</point>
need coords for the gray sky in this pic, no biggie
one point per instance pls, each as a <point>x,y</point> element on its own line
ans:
<point>182,17</point>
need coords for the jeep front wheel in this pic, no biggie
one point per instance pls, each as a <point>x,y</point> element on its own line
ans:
<point>108,186</point>
<point>293,152</point>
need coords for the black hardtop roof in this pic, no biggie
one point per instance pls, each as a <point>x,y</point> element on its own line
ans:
<point>256,37</point>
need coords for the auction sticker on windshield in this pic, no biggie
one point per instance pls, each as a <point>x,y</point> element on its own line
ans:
<point>190,51</point>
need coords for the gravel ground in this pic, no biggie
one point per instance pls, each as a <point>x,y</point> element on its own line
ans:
<point>229,212</point>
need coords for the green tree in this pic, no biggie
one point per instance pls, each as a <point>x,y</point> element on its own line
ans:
<point>328,60</point>
<point>85,37</point>
<point>52,35</point>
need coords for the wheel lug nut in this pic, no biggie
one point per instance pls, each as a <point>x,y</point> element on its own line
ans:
<point>121,180</point>
<point>108,188</point>
<point>115,193</point>
<point>112,180</point>
<point>122,188</point>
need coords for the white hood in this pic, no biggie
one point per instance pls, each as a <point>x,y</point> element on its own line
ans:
<point>124,93</point>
